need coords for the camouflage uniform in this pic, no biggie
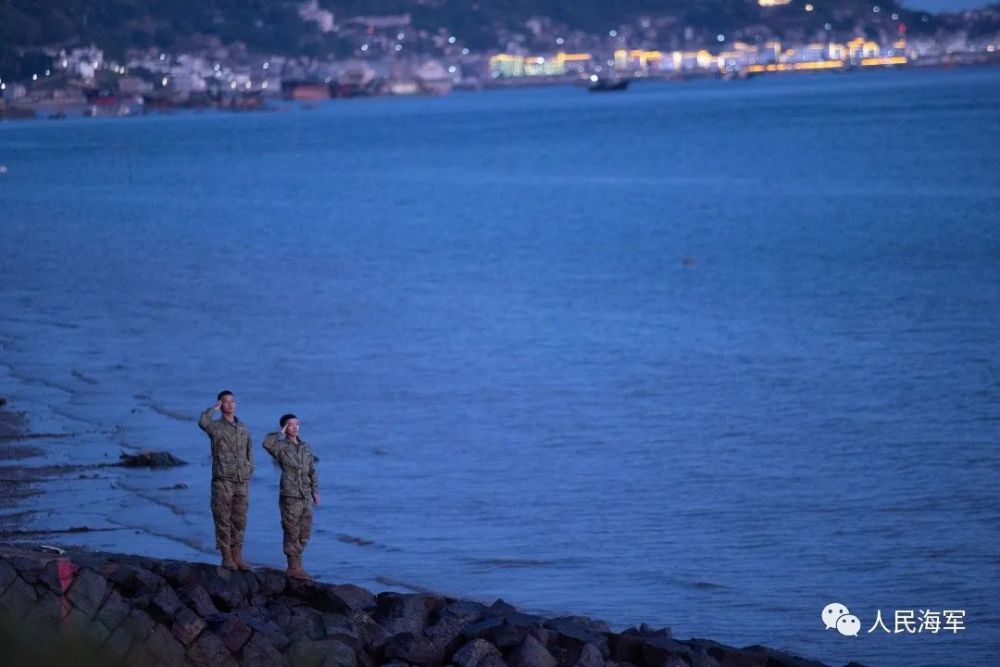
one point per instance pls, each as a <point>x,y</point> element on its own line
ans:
<point>232,466</point>
<point>298,484</point>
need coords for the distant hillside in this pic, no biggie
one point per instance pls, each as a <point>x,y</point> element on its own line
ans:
<point>274,25</point>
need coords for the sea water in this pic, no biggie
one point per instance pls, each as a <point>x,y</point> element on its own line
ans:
<point>708,355</point>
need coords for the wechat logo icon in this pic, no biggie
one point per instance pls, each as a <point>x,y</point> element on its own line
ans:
<point>836,616</point>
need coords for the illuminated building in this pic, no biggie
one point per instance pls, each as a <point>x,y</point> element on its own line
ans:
<point>505,65</point>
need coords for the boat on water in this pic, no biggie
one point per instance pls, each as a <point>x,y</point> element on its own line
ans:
<point>357,79</point>
<point>433,79</point>
<point>599,84</point>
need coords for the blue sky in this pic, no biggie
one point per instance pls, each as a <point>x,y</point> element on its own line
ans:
<point>945,5</point>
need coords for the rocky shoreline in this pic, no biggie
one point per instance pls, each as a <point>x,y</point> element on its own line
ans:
<point>114,609</point>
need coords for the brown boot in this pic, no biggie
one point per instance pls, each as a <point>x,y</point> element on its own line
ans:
<point>295,568</point>
<point>241,564</point>
<point>227,558</point>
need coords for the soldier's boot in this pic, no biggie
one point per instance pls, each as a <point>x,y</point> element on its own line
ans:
<point>227,558</point>
<point>241,564</point>
<point>295,568</point>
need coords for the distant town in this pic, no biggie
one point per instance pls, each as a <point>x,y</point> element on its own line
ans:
<point>389,55</point>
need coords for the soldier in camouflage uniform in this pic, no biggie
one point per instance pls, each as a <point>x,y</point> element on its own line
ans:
<point>299,490</point>
<point>232,466</point>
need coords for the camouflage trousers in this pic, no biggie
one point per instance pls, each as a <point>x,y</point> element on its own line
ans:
<point>229,509</point>
<point>296,523</point>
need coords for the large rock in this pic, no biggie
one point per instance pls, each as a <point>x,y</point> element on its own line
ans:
<point>89,591</point>
<point>195,597</point>
<point>306,622</point>
<point>319,596</point>
<point>590,656</point>
<point>139,624</point>
<point>226,588</point>
<point>576,631</point>
<point>498,609</point>
<point>324,653</point>
<point>166,603</point>
<point>259,652</point>
<point>446,634</point>
<point>187,626</point>
<point>656,651</point>
<point>133,580</point>
<point>339,627</point>
<point>269,581</point>
<point>401,612</point>
<point>164,647</point>
<point>478,653</point>
<point>260,620</point>
<point>28,568</point>
<point>779,659</point>
<point>414,649</point>
<point>234,633</point>
<point>503,631</point>
<point>532,654</point>
<point>355,597</point>
<point>628,647</point>
<point>118,643</point>
<point>7,575</point>
<point>728,656</point>
<point>465,610</point>
<point>59,574</point>
<point>17,600</point>
<point>374,636</point>
<point>113,612</point>
<point>209,651</point>
<point>46,613</point>
<point>149,459</point>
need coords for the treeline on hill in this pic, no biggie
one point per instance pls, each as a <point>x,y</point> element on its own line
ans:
<point>274,25</point>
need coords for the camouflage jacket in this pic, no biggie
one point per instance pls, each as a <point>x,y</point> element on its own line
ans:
<point>298,465</point>
<point>232,450</point>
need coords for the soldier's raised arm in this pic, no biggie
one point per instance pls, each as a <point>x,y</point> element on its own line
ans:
<point>206,423</point>
<point>271,445</point>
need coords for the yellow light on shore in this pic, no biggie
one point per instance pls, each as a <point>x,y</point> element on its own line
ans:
<point>884,60</point>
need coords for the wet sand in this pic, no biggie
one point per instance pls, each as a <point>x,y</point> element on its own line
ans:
<point>14,483</point>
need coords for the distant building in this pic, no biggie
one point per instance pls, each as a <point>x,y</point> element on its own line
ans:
<point>372,23</point>
<point>133,85</point>
<point>13,91</point>
<point>506,65</point>
<point>310,11</point>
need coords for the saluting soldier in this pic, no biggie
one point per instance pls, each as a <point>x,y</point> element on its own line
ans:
<point>232,466</point>
<point>299,490</point>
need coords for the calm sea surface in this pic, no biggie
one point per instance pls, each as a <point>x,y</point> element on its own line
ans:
<point>707,355</point>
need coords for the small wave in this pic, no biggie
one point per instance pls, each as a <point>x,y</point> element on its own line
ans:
<point>29,379</point>
<point>34,436</point>
<point>174,509</point>
<point>350,539</point>
<point>49,323</point>
<point>706,586</point>
<point>190,542</point>
<point>514,563</point>
<point>389,581</point>
<point>167,412</point>
<point>83,378</point>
